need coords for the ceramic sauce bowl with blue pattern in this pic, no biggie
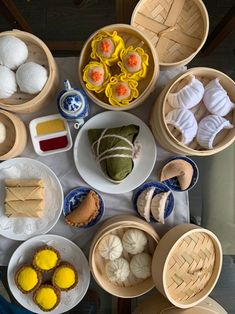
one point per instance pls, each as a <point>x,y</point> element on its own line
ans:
<point>75,197</point>
<point>173,183</point>
<point>159,188</point>
<point>73,104</point>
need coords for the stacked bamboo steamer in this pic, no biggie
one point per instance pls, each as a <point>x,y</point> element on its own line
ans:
<point>186,262</point>
<point>16,136</point>
<point>168,137</point>
<point>132,37</point>
<point>39,53</point>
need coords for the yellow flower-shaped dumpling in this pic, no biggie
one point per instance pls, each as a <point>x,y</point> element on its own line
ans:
<point>134,62</point>
<point>96,76</point>
<point>121,90</point>
<point>106,47</point>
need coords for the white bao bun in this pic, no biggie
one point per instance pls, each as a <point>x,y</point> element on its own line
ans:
<point>7,82</point>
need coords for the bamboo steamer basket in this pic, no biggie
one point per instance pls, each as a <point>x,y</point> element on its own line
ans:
<point>186,265</point>
<point>177,28</point>
<point>132,287</point>
<point>38,52</point>
<point>169,138</point>
<point>131,36</point>
<point>16,136</point>
<point>157,304</point>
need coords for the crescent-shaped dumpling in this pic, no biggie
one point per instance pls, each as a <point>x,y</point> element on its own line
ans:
<point>143,203</point>
<point>158,205</point>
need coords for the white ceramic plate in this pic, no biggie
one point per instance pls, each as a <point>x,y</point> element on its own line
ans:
<point>69,252</point>
<point>89,169</point>
<point>25,228</point>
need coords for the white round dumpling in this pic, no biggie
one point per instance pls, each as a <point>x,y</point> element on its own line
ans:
<point>8,84</point>
<point>110,247</point>
<point>134,241</point>
<point>13,52</point>
<point>117,270</point>
<point>140,265</point>
<point>31,77</point>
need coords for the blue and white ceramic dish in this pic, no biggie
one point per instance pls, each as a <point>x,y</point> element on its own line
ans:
<point>74,198</point>
<point>159,187</point>
<point>173,183</point>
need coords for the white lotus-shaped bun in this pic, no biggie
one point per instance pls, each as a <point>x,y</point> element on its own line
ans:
<point>13,52</point>
<point>184,121</point>
<point>8,84</point>
<point>143,203</point>
<point>134,241</point>
<point>189,96</point>
<point>140,265</point>
<point>209,127</point>
<point>110,247</point>
<point>117,270</point>
<point>31,77</point>
<point>216,99</point>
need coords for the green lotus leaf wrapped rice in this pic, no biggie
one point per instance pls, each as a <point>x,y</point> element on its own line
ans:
<point>114,150</point>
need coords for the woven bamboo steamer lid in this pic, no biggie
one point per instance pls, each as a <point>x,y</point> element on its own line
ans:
<point>157,304</point>
<point>177,28</point>
<point>38,52</point>
<point>223,139</point>
<point>132,287</point>
<point>16,136</point>
<point>186,264</point>
<point>131,36</point>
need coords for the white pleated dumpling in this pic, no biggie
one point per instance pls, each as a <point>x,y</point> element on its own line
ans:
<point>117,270</point>
<point>209,127</point>
<point>184,121</point>
<point>13,52</point>
<point>189,96</point>
<point>143,203</point>
<point>158,205</point>
<point>140,265</point>
<point>110,247</point>
<point>134,241</point>
<point>216,99</point>
<point>8,84</point>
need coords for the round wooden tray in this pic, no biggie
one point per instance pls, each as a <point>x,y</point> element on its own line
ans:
<point>177,28</point>
<point>188,260</point>
<point>132,287</point>
<point>16,136</point>
<point>38,52</point>
<point>134,37</point>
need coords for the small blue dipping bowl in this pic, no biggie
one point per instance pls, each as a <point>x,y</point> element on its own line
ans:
<point>173,183</point>
<point>159,187</point>
<point>74,198</point>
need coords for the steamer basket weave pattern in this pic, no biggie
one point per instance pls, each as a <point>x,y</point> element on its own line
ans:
<point>190,266</point>
<point>177,28</point>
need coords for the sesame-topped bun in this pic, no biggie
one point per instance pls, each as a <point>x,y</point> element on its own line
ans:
<point>65,277</point>
<point>27,279</point>
<point>46,258</point>
<point>47,297</point>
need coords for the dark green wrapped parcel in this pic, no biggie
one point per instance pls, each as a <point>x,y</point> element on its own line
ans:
<point>113,149</point>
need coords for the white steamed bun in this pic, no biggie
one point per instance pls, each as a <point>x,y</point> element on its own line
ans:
<point>31,77</point>
<point>13,52</point>
<point>7,82</point>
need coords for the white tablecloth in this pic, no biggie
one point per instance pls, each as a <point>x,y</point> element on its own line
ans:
<point>63,165</point>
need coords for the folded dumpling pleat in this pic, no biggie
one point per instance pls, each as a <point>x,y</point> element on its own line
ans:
<point>184,121</point>
<point>143,203</point>
<point>209,127</point>
<point>113,149</point>
<point>158,205</point>
<point>216,99</point>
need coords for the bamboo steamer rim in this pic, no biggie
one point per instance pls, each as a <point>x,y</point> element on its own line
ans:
<point>205,17</point>
<point>52,72</point>
<point>22,134</point>
<point>132,223</point>
<point>183,231</point>
<point>163,96</point>
<point>136,102</point>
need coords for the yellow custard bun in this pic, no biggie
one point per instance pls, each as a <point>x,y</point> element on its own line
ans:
<point>107,47</point>
<point>96,75</point>
<point>47,297</point>
<point>27,279</point>
<point>46,259</point>
<point>134,63</point>
<point>121,90</point>
<point>65,277</point>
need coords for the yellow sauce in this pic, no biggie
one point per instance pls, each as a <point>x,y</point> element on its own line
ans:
<point>50,126</point>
